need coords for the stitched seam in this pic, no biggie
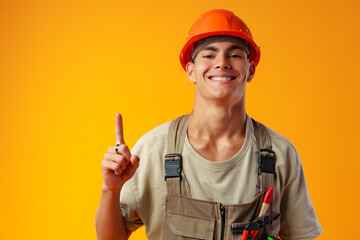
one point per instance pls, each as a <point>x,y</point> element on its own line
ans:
<point>211,223</point>
<point>136,193</point>
<point>192,216</point>
<point>289,183</point>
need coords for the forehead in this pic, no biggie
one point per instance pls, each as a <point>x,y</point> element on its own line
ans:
<point>222,46</point>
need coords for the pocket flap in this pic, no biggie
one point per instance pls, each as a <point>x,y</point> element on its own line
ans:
<point>193,227</point>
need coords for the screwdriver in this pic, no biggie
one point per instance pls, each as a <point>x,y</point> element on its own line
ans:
<point>266,202</point>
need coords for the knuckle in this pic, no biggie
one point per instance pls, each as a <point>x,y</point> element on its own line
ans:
<point>123,165</point>
<point>118,158</point>
<point>108,156</point>
<point>118,167</point>
<point>123,148</point>
<point>122,158</point>
<point>103,165</point>
<point>118,171</point>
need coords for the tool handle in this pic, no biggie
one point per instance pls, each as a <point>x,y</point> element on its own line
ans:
<point>253,233</point>
<point>244,234</point>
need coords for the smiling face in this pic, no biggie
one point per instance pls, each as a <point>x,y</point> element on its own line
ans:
<point>220,72</point>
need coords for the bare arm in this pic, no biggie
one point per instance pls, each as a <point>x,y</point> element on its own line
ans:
<point>117,167</point>
<point>109,222</point>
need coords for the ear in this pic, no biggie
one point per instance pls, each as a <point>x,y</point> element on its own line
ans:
<point>251,71</point>
<point>190,72</point>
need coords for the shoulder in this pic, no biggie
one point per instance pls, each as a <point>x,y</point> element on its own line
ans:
<point>288,162</point>
<point>155,137</point>
<point>280,142</point>
<point>159,131</point>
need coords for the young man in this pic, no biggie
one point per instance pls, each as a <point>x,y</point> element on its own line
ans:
<point>221,161</point>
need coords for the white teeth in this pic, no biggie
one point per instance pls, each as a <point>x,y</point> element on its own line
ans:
<point>221,78</point>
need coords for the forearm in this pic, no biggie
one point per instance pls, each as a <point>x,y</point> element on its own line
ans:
<point>108,220</point>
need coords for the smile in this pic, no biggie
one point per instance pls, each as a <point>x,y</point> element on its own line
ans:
<point>222,78</point>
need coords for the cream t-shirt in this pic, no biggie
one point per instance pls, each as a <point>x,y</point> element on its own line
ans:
<point>233,181</point>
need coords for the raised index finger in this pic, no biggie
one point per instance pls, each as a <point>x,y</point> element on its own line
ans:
<point>119,134</point>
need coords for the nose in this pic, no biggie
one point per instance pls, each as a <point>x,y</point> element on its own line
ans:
<point>222,62</point>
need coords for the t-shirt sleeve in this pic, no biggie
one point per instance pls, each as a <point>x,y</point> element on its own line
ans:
<point>298,217</point>
<point>129,207</point>
<point>129,202</point>
<point>142,198</point>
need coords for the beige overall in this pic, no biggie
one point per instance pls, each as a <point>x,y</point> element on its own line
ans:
<point>189,218</point>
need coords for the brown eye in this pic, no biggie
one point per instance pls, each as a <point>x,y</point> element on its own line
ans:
<point>236,56</point>
<point>207,56</point>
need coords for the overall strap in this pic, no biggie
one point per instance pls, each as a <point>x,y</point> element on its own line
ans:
<point>175,179</point>
<point>177,134</point>
<point>266,157</point>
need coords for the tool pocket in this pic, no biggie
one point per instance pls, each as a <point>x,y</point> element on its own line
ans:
<point>252,230</point>
<point>188,219</point>
<point>247,218</point>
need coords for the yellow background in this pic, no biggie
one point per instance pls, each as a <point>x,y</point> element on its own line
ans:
<point>66,68</point>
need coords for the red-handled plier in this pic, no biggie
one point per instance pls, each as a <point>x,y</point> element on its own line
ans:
<point>250,231</point>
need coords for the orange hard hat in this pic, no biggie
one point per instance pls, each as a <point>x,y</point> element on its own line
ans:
<point>218,22</point>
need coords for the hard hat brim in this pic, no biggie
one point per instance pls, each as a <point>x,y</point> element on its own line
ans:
<point>189,46</point>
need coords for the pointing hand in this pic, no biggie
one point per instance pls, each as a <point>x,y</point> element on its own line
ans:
<point>118,165</point>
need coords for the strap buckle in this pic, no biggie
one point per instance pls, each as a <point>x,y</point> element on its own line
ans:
<point>266,161</point>
<point>173,165</point>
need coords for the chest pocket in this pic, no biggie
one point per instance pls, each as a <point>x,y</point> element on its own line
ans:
<point>188,218</point>
<point>187,227</point>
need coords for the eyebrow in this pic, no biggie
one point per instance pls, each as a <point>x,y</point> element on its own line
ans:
<point>232,47</point>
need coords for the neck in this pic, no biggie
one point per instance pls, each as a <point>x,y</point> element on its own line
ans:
<point>216,121</point>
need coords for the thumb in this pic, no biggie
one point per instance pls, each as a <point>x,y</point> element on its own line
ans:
<point>131,168</point>
<point>135,161</point>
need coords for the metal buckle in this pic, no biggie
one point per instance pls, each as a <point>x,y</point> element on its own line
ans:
<point>266,161</point>
<point>173,165</point>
